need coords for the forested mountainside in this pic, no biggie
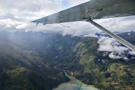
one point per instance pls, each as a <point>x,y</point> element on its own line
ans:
<point>22,67</point>
<point>36,61</point>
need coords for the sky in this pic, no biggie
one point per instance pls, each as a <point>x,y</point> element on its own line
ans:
<point>16,15</point>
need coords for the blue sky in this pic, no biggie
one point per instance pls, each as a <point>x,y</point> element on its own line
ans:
<point>65,4</point>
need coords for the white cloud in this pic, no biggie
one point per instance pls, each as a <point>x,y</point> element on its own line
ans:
<point>121,24</point>
<point>16,15</point>
<point>113,56</point>
<point>24,11</point>
<point>132,52</point>
<point>111,45</point>
<point>33,8</point>
<point>9,22</point>
<point>117,51</point>
<point>28,8</point>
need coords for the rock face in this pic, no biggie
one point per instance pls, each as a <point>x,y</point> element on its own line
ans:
<point>36,60</point>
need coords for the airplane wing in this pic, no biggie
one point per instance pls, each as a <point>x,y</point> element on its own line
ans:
<point>94,9</point>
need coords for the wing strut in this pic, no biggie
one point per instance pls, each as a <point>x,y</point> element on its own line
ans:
<point>121,40</point>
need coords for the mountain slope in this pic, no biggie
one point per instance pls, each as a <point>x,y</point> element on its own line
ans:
<point>23,69</point>
<point>36,61</point>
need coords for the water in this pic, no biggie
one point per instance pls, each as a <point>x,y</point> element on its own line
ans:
<point>74,84</point>
<point>69,86</point>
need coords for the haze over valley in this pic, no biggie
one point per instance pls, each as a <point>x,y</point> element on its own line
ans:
<point>36,60</point>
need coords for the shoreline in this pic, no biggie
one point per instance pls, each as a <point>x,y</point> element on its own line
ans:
<point>74,83</point>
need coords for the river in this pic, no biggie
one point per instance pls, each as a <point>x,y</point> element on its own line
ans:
<point>74,84</point>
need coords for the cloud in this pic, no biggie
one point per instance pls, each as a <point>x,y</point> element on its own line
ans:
<point>117,51</point>
<point>111,45</point>
<point>24,11</point>
<point>28,9</point>
<point>16,15</point>
<point>113,55</point>
<point>82,29</point>
<point>119,24</point>
<point>132,52</point>
<point>33,8</point>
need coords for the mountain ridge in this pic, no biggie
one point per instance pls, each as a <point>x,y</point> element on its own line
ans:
<point>38,59</point>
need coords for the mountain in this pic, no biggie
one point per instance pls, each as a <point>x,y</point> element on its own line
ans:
<point>36,61</point>
<point>22,68</point>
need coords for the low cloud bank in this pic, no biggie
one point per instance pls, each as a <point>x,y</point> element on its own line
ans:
<point>117,51</point>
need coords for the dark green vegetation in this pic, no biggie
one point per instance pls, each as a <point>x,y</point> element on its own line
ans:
<point>22,67</point>
<point>35,61</point>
